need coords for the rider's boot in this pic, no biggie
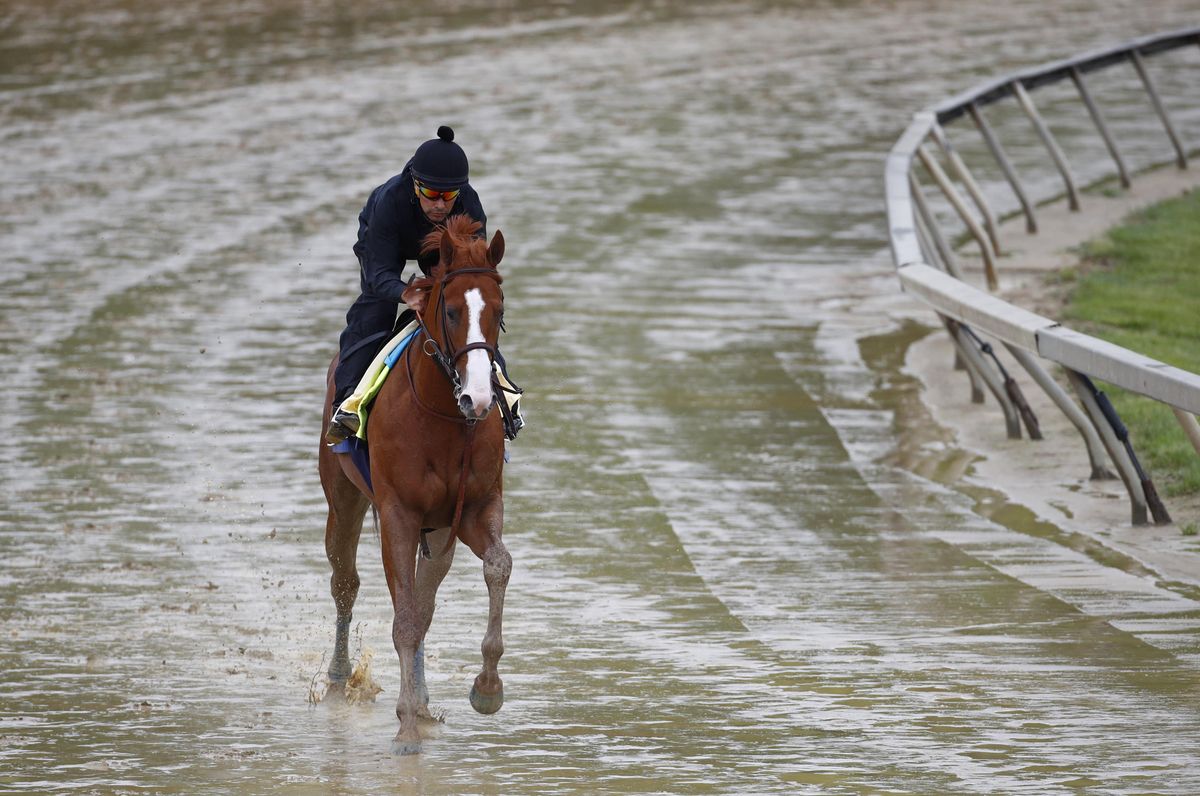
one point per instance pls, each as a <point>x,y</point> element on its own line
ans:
<point>342,426</point>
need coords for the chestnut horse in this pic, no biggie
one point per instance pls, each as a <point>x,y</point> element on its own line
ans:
<point>437,458</point>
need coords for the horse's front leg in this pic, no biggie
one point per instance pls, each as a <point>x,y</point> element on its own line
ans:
<point>399,532</point>
<point>487,694</point>
<point>430,574</point>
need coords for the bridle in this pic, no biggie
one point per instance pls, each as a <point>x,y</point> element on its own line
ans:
<point>448,360</point>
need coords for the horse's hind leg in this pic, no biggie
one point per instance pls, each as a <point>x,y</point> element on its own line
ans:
<point>342,530</point>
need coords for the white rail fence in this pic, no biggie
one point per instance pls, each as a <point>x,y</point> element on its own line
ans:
<point>928,267</point>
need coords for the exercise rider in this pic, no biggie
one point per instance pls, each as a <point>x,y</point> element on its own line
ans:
<point>397,216</point>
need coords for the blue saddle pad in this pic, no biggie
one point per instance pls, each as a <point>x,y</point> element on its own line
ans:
<point>359,454</point>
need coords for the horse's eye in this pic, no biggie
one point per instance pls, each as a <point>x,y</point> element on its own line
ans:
<point>452,315</point>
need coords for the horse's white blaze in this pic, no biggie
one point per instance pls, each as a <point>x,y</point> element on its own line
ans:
<point>479,371</point>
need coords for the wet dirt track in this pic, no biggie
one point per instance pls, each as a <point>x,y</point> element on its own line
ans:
<point>718,587</point>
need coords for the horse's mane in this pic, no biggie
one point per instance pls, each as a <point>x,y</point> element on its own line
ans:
<point>470,249</point>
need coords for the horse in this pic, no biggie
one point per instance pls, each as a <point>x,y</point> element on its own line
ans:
<point>436,468</point>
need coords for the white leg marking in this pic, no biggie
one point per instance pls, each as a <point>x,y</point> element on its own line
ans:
<point>479,370</point>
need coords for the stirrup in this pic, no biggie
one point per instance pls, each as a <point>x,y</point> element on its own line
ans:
<point>343,426</point>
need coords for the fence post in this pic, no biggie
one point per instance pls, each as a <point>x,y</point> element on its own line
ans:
<point>939,252</point>
<point>1094,110</point>
<point>1095,449</point>
<point>951,193</point>
<point>1012,420</point>
<point>1190,426</point>
<point>963,361</point>
<point>964,176</point>
<point>1148,82</point>
<point>949,261</point>
<point>1115,451</point>
<point>1044,133</point>
<point>1009,174</point>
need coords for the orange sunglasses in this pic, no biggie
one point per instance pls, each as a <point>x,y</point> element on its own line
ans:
<point>433,195</point>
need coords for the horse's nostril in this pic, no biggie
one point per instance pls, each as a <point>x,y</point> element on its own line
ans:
<point>466,405</point>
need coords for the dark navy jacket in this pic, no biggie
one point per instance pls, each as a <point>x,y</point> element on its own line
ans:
<point>390,229</point>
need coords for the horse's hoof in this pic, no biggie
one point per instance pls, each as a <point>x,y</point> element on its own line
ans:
<point>486,703</point>
<point>335,692</point>
<point>401,748</point>
<point>340,671</point>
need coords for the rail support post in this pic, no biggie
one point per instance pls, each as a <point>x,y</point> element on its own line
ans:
<point>1047,137</point>
<point>1095,448</point>
<point>938,252</point>
<point>1098,118</point>
<point>1148,82</point>
<point>968,180</point>
<point>1190,426</point>
<point>976,363</point>
<point>963,362</point>
<point>952,194</point>
<point>1116,452</point>
<point>949,262</point>
<point>1005,166</point>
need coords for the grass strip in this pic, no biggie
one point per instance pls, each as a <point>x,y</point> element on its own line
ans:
<point>1139,287</point>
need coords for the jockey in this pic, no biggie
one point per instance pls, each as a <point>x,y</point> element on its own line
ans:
<point>398,215</point>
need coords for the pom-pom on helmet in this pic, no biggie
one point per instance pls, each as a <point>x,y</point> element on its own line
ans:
<point>439,163</point>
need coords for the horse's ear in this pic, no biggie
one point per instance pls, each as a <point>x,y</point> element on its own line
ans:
<point>447,249</point>
<point>417,292</point>
<point>496,249</point>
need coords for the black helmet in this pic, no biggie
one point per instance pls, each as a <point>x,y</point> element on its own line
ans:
<point>440,163</point>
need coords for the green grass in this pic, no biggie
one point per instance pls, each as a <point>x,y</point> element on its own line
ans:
<point>1140,289</point>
